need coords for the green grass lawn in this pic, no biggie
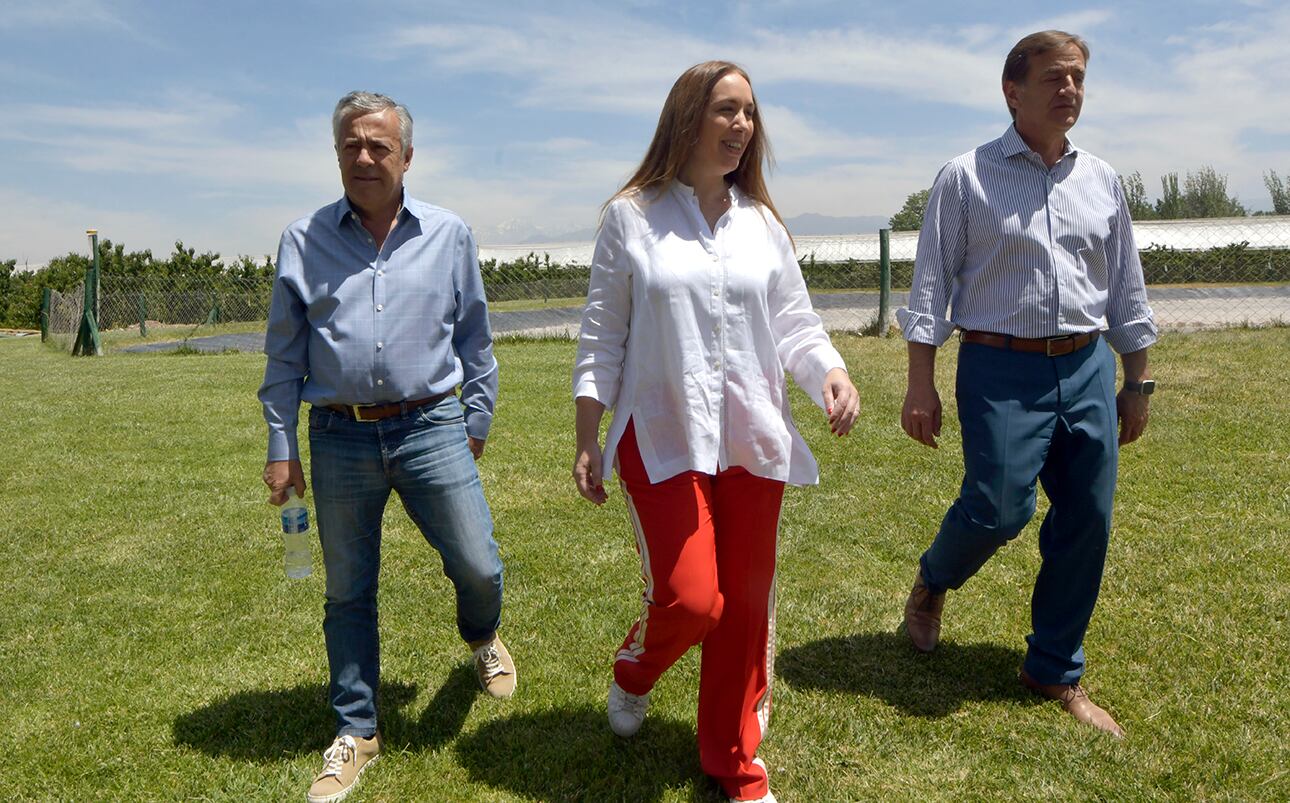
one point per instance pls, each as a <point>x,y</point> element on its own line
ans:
<point>153,650</point>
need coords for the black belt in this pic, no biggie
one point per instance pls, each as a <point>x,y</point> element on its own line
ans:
<point>1052,346</point>
<point>376,412</point>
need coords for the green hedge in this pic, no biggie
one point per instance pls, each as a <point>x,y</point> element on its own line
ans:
<point>186,285</point>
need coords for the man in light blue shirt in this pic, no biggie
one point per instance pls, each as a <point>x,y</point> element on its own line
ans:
<point>1028,240</point>
<point>378,315</point>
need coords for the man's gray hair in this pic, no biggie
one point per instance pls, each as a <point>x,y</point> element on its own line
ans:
<point>368,103</point>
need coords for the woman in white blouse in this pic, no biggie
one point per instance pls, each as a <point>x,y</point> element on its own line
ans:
<point>695,310</point>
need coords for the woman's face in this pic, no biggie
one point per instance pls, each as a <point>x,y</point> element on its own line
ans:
<point>727,128</point>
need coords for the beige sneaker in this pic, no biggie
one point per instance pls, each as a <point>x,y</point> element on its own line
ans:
<point>343,762</point>
<point>495,669</point>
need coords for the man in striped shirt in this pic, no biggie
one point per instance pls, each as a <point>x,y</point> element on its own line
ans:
<point>1027,240</point>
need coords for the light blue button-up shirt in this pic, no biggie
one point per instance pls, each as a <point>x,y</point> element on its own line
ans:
<point>1015,247</point>
<point>352,325</point>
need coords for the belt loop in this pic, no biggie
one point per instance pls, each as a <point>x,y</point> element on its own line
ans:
<point>403,408</point>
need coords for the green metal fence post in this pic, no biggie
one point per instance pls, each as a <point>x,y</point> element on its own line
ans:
<point>212,317</point>
<point>884,279</point>
<point>46,298</point>
<point>142,303</point>
<point>87,335</point>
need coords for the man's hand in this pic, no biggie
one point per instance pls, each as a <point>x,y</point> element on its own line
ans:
<point>841,401</point>
<point>587,473</point>
<point>281,474</point>
<point>921,415</point>
<point>1132,409</point>
<point>476,446</point>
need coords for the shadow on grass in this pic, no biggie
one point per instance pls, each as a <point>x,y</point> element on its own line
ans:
<point>886,666</point>
<point>268,725</point>
<point>571,755</point>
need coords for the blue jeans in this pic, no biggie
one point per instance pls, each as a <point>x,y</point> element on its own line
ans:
<point>424,456</point>
<point>1028,417</point>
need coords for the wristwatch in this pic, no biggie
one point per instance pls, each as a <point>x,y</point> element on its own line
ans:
<point>1146,387</point>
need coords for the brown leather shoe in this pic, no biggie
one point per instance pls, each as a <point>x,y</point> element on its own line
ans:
<point>923,615</point>
<point>1075,702</point>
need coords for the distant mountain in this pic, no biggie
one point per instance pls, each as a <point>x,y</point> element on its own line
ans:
<point>574,236</point>
<point>524,232</point>
<point>813,225</point>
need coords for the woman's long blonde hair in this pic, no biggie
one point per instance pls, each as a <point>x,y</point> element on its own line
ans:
<point>678,133</point>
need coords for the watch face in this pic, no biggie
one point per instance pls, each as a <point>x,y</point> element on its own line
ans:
<point>1148,387</point>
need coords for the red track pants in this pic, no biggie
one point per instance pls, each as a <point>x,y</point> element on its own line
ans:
<point>707,547</point>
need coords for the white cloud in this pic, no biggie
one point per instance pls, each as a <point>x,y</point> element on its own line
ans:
<point>61,14</point>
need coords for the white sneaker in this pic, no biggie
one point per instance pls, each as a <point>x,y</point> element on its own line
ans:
<point>626,711</point>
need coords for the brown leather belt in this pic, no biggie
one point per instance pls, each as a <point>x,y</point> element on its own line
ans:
<point>1052,346</point>
<point>376,412</point>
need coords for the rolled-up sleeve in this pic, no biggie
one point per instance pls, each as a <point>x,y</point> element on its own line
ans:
<point>472,339</point>
<point>606,319</point>
<point>942,245</point>
<point>286,345</point>
<point>1131,325</point>
<point>803,346</point>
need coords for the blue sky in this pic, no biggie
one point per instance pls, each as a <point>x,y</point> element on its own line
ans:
<point>209,122</point>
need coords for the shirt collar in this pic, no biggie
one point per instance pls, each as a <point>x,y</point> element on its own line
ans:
<point>344,209</point>
<point>686,193</point>
<point>1012,144</point>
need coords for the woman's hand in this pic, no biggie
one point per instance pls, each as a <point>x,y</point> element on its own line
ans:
<point>587,475</point>
<point>587,470</point>
<point>841,401</point>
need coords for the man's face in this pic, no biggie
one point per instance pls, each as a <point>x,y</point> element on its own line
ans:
<point>372,161</point>
<point>1049,100</point>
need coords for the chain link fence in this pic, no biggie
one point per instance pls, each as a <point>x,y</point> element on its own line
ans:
<point>179,307</point>
<point>1200,274</point>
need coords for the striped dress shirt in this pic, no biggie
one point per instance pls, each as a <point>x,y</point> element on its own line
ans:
<point>1014,247</point>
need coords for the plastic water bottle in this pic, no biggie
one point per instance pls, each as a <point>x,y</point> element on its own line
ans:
<point>295,535</point>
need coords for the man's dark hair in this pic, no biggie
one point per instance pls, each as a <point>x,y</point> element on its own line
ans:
<point>1017,66</point>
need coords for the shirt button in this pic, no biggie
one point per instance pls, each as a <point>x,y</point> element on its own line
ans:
<point>715,258</point>
<point>380,273</point>
<point>380,382</point>
<point>380,307</point>
<point>379,345</point>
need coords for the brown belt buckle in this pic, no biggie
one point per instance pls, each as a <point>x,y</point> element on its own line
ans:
<point>1068,340</point>
<point>354,410</point>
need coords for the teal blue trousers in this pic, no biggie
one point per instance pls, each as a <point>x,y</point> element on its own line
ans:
<point>1030,418</point>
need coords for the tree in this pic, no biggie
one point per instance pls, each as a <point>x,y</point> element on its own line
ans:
<point>910,216</point>
<point>1280,192</point>
<point>1205,195</point>
<point>1170,205</point>
<point>1135,196</point>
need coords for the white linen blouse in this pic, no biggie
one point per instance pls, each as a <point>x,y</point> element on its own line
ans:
<point>688,332</point>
